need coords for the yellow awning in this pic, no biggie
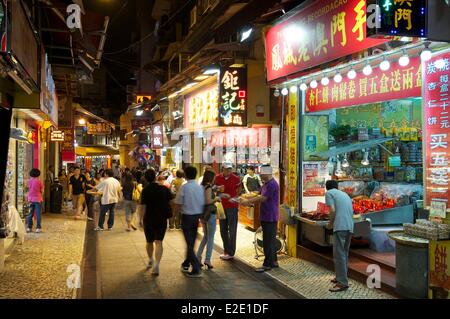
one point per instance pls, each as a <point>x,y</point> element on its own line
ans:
<point>96,150</point>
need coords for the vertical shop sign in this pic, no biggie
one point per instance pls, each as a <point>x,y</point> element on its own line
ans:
<point>68,147</point>
<point>233,97</point>
<point>439,274</point>
<point>437,133</point>
<point>292,149</point>
<point>157,136</point>
<point>321,32</point>
<point>65,114</point>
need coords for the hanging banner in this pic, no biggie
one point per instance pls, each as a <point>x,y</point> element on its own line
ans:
<point>321,32</point>
<point>68,144</point>
<point>292,133</point>
<point>396,83</point>
<point>439,272</point>
<point>233,97</point>
<point>437,128</point>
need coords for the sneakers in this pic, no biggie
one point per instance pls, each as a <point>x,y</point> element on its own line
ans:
<point>184,269</point>
<point>98,229</point>
<point>193,274</point>
<point>28,230</point>
<point>226,257</point>
<point>38,230</point>
<point>262,269</point>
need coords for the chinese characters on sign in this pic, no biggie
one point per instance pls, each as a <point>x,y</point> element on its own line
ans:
<point>98,128</point>
<point>233,97</point>
<point>57,136</point>
<point>292,149</point>
<point>201,109</point>
<point>157,136</point>
<point>400,18</point>
<point>439,275</point>
<point>437,107</point>
<point>396,83</point>
<point>324,31</point>
<point>68,147</point>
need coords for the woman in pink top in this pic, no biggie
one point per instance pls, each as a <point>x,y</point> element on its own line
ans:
<point>35,190</point>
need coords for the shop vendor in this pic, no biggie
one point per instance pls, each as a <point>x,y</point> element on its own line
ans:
<point>270,201</point>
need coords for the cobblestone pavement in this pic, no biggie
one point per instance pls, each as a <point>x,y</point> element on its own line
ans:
<point>38,268</point>
<point>306,278</point>
<point>120,272</point>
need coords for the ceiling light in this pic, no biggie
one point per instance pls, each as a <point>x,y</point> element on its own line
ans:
<point>385,65</point>
<point>425,55</point>
<point>367,70</point>
<point>139,112</point>
<point>325,81</point>
<point>246,34</point>
<point>403,60</point>
<point>276,92</point>
<point>211,71</point>
<point>313,84</point>
<point>303,87</point>
<point>351,74</point>
<point>284,91</point>
<point>337,78</point>
<point>293,89</point>
<point>82,121</point>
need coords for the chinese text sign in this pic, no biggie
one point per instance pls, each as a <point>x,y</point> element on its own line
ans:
<point>201,109</point>
<point>233,97</point>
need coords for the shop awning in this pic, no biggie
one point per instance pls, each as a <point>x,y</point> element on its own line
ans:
<point>96,150</point>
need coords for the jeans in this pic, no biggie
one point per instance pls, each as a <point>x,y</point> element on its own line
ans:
<point>189,223</point>
<point>269,243</point>
<point>103,210</point>
<point>35,208</point>
<point>130,209</point>
<point>175,221</point>
<point>90,206</point>
<point>228,230</point>
<point>209,230</point>
<point>341,247</point>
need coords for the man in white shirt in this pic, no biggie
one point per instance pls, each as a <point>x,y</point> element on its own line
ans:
<point>111,194</point>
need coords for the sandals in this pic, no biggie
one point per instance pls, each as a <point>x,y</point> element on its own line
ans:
<point>338,288</point>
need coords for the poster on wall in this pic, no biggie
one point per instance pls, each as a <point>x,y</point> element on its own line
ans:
<point>315,138</point>
<point>315,174</point>
<point>437,132</point>
<point>439,273</point>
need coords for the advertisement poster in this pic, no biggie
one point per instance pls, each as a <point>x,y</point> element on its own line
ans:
<point>315,174</point>
<point>315,139</point>
<point>439,275</point>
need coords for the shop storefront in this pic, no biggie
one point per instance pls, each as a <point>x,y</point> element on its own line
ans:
<point>356,109</point>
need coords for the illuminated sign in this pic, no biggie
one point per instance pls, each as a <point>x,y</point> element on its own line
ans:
<point>397,18</point>
<point>143,98</point>
<point>321,32</point>
<point>98,128</point>
<point>57,136</point>
<point>68,143</point>
<point>233,97</point>
<point>157,136</point>
<point>201,108</point>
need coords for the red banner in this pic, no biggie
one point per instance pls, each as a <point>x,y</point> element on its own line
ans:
<point>396,83</point>
<point>322,32</point>
<point>437,108</point>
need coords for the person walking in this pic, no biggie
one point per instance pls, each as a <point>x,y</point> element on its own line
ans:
<point>90,184</point>
<point>191,200</point>
<point>209,219</point>
<point>128,187</point>
<point>175,221</point>
<point>62,178</point>
<point>154,210</point>
<point>111,194</point>
<point>77,188</point>
<point>229,184</point>
<point>341,221</point>
<point>35,195</point>
<point>269,212</point>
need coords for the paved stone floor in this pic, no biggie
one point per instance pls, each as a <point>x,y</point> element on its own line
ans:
<point>306,278</point>
<point>38,267</point>
<point>117,260</point>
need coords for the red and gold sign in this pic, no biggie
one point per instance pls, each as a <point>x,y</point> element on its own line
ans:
<point>437,133</point>
<point>201,108</point>
<point>439,274</point>
<point>396,83</point>
<point>292,149</point>
<point>68,144</point>
<point>143,98</point>
<point>322,32</point>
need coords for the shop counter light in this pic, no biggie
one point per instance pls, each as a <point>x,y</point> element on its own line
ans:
<point>403,60</point>
<point>303,87</point>
<point>325,81</point>
<point>284,91</point>
<point>293,89</point>
<point>313,84</point>
<point>276,92</point>
<point>367,70</point>
<point>337,78</point>
<point>385,65</point>
<point>351,74</point>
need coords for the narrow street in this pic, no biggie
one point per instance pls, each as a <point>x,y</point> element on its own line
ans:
<point>115,267</point>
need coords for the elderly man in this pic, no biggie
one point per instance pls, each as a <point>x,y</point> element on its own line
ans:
<point>270,201</point>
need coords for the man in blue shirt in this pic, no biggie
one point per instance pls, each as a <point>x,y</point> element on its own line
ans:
<point>191,200</point>
<point>341,220</point>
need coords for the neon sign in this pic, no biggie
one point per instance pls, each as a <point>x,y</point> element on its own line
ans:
<point>233,97</point>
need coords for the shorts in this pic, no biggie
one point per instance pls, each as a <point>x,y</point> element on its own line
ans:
<point>153,233</point>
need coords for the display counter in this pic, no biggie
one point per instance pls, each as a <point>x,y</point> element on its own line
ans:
<point>249,216</point>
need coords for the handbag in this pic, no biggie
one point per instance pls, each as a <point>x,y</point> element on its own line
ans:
<point>137,193</point>
<point>220,211</point>
<point>209,210</point>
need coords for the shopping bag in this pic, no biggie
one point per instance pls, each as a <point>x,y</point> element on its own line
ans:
<point>220,211</point>
<point>137,193</point>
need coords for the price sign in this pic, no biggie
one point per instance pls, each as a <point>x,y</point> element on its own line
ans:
<point>438,209</point>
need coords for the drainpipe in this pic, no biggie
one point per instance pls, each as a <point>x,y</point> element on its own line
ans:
<point>102,42</point>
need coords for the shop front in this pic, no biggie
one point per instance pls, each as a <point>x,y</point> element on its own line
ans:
<point>356,113</point>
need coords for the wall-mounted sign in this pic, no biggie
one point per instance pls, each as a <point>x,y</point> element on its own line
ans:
<point>201,108</point>
<point>233,97</point>
<point>68,144</point>
<point>49,100</point>
<point>437,133</point>
<point>98,128</point>
<point>65,114</point>
<point>397,18</point>
<point>143,98</point>
<point>57,136</point>
<point>157,136</point>
<point>319,33</point>
<point>396,83</point>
